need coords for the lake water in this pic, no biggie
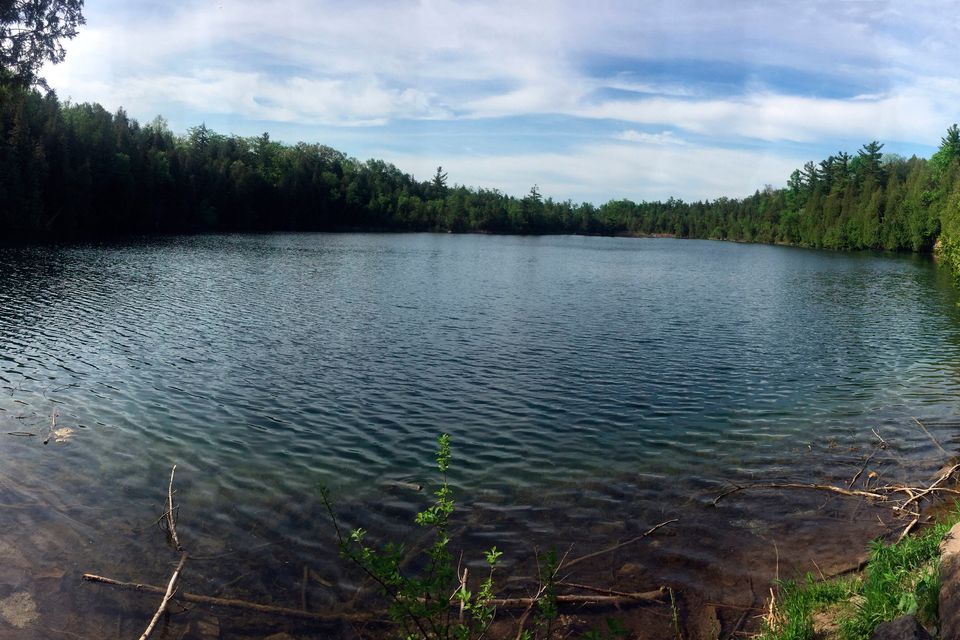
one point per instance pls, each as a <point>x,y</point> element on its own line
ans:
<point>593,387</point>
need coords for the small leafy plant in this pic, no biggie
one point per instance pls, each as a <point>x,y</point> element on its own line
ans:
<point>434,601</point>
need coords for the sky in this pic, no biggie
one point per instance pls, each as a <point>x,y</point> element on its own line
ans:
<point>591,101</point>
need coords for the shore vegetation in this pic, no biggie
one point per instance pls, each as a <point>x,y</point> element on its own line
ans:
<point>77,170</point>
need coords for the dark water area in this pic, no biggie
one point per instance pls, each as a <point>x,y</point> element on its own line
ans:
<point>593,387</point>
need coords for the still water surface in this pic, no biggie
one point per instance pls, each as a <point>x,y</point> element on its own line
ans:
<point>593,387</point>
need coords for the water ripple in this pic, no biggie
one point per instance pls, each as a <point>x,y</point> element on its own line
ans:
<point>597,377</point>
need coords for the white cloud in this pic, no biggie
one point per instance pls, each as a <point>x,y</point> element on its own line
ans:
<point>364,62</point>
<point>601,171</point>
<point>664,137</point>
<point>910,114</point>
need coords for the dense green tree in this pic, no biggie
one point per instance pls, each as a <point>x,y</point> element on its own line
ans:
<point>949,150</point>
<point>69,170</point>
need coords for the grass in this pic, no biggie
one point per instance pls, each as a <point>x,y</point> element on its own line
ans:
<point>792,618</point>
<point>901,578</point>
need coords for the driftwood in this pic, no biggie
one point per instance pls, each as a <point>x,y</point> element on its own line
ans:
<point>171,516</point>
<point>612,592</point>
<point>505,603</point>
<point>619,545</point>
<point>935,486</point>
<point>796,485</point>
<point>863,468</point>
<point>230,602</point>
<point>930,435</point>
<point>880,494</point>
<point>175,578</point>
<point>648,596</point>
<point>597,596</point>
<point>167,595</point>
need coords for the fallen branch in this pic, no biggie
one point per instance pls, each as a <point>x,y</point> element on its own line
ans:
<point>907,529</point>
<point>883,443</point>
<point>171,518</point>
<point>863,468</point>
<point>645,597</point>
<point>172,585</point>
<point>619,545</point>
<point>794,485</point>
<point>53,426</point>
<point>230,602</point>
<point>929,435</point>
<point>168,594</point>
<point>949,472</point>
<point>600,590</point>
<point>529,603</point>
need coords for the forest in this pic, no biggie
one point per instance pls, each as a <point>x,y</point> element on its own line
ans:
<point>78,171</point>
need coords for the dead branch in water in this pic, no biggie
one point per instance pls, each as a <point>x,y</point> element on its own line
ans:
<point>645,597</point>
<point>168,594</point>
<point>171,516</point>
<point>621,544</point>
<point>795,485</point>
<point>882,494</point>
<point>929,435</point>
<point>53,425</point>
<point>883,443</point>
<point>231,603</point>
<point>907,529</point>
<point>174,579</point>
<point>863,468</point>
<point>935,486</point>
<point>608,592</point>
<point>616,597</point>
<point>596,596</point>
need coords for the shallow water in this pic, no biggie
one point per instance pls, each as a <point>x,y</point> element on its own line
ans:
<point>593,387</point>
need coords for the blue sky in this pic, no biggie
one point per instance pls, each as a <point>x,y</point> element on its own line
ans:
<point>589,100</point>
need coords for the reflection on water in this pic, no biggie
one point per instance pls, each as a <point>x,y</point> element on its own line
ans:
<point>593,387</point>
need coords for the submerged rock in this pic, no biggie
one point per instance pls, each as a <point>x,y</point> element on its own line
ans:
<point>902,628</point>
<point>19,610</point>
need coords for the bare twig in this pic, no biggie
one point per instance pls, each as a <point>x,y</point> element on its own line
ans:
<point>463,586</point>
<point>883,443</point>
<point>929,435</point>
<point>949,472</point>
<point>645,597</point>
<point>171,516</point>
<point>607,592</point>
<point>171,587</point>
<point>795,485</point>
<point>907,529</point>
<point>53,425</point>
<point>621,544</point>
<point>863,468</point>
<point>174,579</point>
<point>230,602</point>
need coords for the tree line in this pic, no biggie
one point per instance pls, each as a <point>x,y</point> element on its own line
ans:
<point>74,170</point>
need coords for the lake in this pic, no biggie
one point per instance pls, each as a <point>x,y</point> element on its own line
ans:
<point>593,387</point>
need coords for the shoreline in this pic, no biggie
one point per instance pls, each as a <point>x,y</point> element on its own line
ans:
<point>648,564</point>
